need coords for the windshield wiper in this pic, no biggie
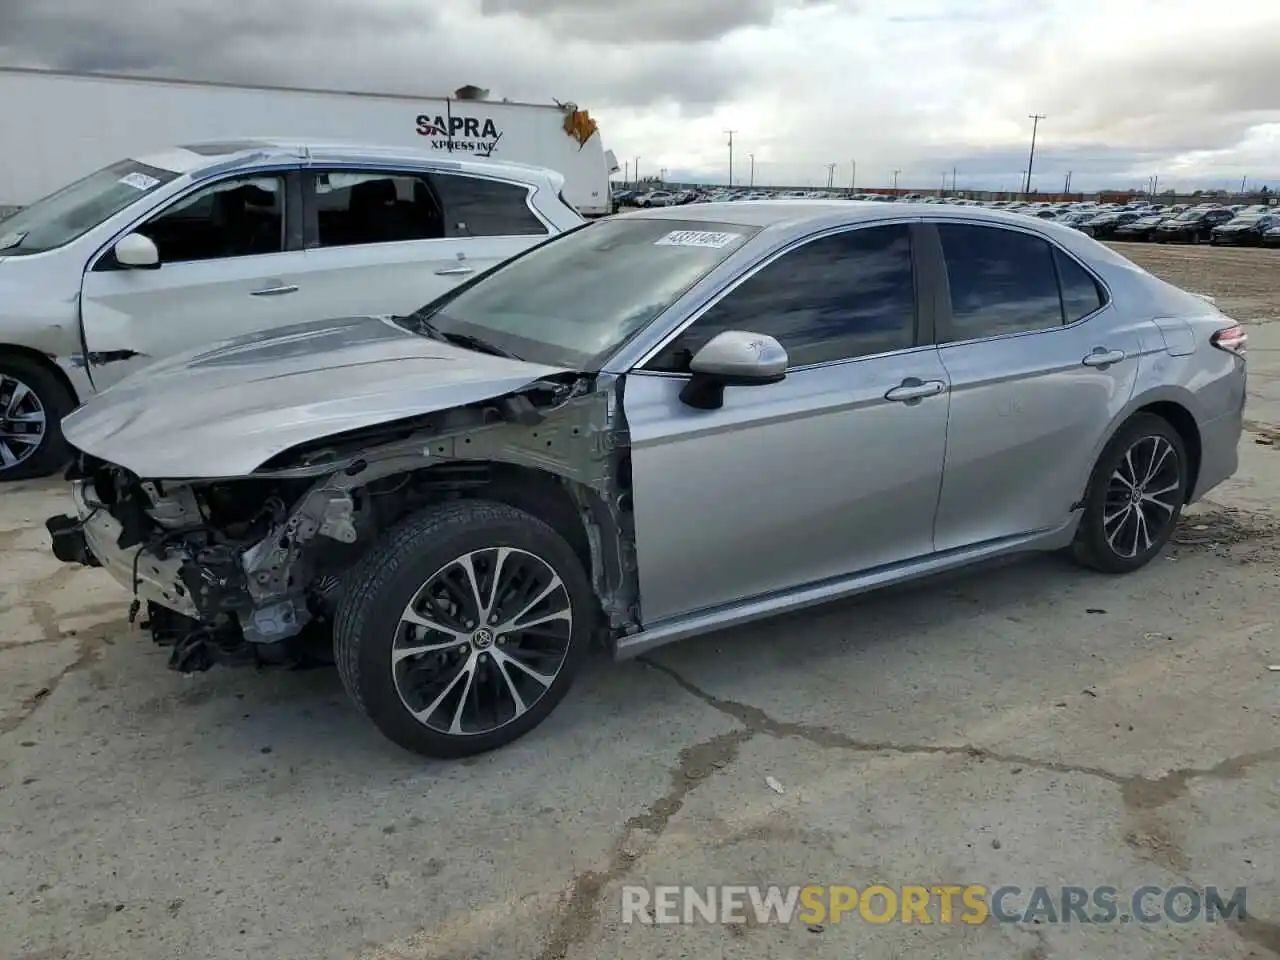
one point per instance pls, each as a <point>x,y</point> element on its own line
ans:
<point>465,340</point>
<point>11,240</point>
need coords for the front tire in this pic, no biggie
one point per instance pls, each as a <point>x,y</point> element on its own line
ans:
<point>1135,497</point>
<point>33,402</point>
<point>462,629</point>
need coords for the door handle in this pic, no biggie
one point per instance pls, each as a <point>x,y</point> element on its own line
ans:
<point>913,388</point>
<point>455,271</point>
<point>275,291</point>
<point>1103,358</point>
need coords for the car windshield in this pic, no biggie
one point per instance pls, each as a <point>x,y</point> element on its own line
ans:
<point>1247,218</point>
<point>1191,215</point>
<point>76,209</point>
<point>573,300</point>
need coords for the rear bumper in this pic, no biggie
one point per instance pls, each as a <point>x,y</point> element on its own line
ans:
<point>91,537</point>
<point>1219,451</point>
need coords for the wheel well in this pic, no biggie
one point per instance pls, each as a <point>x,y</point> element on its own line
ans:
<point>536,492</point>
<point>1180,419</point>
<point>10,349</point>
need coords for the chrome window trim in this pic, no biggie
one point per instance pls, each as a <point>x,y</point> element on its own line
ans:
<point>715,298</point>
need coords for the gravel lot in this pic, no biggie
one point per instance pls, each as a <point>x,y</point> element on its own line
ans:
<point>1027,724</point>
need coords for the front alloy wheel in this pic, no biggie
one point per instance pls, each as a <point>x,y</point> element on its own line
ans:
<point>1135,497</point>
<point>33,401</point>
<point>463,627</point>
<point>482,641</point>
<point>22,421</point>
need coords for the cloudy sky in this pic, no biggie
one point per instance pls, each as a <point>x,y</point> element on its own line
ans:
<point>1188,90</point>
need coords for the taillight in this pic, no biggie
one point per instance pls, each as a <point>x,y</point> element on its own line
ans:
<point>1232,339</point>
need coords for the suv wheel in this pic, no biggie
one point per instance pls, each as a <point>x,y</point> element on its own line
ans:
<point>462,629</point>
<point>33,402</point>
<point>1135,497</point>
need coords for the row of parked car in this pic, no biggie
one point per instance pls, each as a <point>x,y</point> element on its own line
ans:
<point>1219,224</point>
<point>1257,225</point>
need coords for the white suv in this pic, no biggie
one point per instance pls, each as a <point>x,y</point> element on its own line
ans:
<point>211,241</point>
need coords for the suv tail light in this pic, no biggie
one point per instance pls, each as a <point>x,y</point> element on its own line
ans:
<point>1232,339</point>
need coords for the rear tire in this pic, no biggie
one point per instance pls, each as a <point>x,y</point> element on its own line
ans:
<point>33,402</point>
<point>1135,496</point>
<point>459,583</point>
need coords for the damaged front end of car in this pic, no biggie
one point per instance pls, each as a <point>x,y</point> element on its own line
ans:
<point>250,569</point>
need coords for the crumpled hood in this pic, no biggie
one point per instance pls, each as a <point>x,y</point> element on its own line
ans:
<point>225,409</point>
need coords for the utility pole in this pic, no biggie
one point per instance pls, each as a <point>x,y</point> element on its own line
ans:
<point>853,175</point>
<point>751,182</point>
<point>1035,125</point>
<point>1243,182</point>
<point>895,179</point>
<point>831,174</point>
<point>1155,186</point>
<point>662,175</point>
<point>637,170</point>
<point>1066,186</point>
<point>731,133</point>
<point>943,189</point>
<point>953,179</point>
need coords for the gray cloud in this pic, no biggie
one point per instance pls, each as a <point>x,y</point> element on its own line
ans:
<point>399,46</point>
<point>1197,93</point>
<point>622,21</point>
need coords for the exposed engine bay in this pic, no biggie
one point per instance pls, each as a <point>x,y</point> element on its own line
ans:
<point>250,569</point>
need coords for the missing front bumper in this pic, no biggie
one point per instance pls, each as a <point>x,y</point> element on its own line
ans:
<point>92,538</point>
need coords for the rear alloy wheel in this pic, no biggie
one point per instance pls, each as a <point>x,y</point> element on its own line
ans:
<point>32,405</point>
<point>1135,497</point>
<point>480,649</point>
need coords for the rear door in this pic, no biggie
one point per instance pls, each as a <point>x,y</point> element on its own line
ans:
<point>1039,366</point>
<point>231,264</point>
<point>388,241</point>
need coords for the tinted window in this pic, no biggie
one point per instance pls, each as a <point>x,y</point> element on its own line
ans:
<point>358,207</point>
<point>232,218</point>
<point>840,297</point>
<point>1081,294</point>
<point>1001,281</point>
<point>476,207</point>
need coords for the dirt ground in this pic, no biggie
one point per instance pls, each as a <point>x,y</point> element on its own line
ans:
<point>1029,724</point>
<point>1246,281</point>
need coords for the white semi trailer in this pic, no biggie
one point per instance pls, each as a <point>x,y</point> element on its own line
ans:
<point>57,127</point>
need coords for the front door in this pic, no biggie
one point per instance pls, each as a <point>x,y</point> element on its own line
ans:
<point>834,470</point>
<point>388,242</point>
<point>226,270</point>
<point>1039,368</point>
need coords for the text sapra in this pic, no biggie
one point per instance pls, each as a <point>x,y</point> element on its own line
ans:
<point>470,134</point>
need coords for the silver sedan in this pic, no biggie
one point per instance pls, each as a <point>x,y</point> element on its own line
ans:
<point>660,424</point>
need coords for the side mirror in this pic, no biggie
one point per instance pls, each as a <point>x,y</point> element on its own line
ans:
<point>138,252</point>
<point>734,358</point>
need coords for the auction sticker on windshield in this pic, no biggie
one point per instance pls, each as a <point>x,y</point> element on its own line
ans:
<point>139,181</point>
<point>697,238</point>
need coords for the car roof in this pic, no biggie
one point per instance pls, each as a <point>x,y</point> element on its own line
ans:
<point>225,155</point>
<point>800,217</point>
